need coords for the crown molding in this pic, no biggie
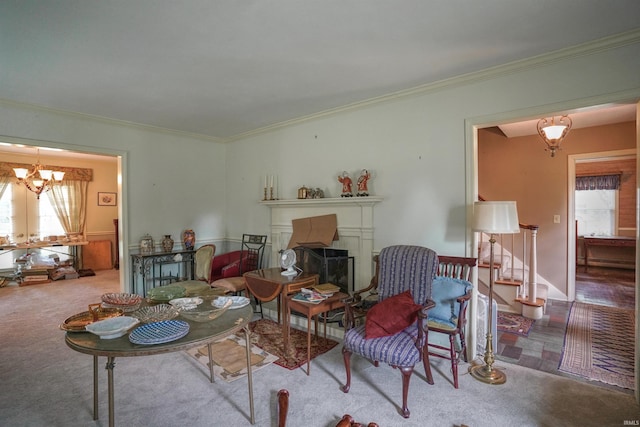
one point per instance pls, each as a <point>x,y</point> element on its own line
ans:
<point>109,121</point>
<point>607,43</point>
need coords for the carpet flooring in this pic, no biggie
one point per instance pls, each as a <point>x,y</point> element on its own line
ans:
<point>599,344</point>
<point>514,323</point>
<point>229,358</point>
<point>267,335</point>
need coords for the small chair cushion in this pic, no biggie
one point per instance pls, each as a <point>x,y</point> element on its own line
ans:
<point>391,315</point>
<point>396,350</point>
<point>231,284</point>
<point>444,292</point>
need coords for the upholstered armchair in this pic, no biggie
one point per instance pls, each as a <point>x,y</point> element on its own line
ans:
<point>395,330</point>
<point>249,259</point>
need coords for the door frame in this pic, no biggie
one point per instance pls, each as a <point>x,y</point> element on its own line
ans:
<point>572,159</point>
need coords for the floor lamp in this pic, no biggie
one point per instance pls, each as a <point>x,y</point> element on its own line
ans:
<point>492,218</point>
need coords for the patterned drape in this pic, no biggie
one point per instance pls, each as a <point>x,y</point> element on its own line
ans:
<point>599,182</point>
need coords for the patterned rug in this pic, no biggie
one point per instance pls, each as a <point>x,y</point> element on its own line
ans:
<point>514,323</point>
<point>267,335</point>
<point>599,344</point>
<point>230,358</point>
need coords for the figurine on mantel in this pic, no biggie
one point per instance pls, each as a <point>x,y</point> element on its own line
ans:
<point>362,183</point>
<point>346,182</point>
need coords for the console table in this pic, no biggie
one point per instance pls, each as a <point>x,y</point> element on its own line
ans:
<point>200,333</point>
<point>611,241</point>
<point>149,269</point>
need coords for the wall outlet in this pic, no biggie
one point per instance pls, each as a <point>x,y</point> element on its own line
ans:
<point>556,219</point>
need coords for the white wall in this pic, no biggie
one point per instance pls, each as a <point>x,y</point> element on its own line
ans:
<point>172,181</point>
<point>414,146</point>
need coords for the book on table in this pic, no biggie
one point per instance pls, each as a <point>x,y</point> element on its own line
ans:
<point>326,289</point>
<point>308,297</point>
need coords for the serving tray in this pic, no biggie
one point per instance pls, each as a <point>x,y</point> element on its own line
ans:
<point>159,332</point>
<point>77,322</point>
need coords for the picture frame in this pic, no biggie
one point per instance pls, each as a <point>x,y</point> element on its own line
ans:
<point>107,199</point>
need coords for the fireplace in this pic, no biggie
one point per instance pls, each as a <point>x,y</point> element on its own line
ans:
<point>333,265</point>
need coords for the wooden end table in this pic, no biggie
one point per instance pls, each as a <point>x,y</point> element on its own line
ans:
<point>313,310</point>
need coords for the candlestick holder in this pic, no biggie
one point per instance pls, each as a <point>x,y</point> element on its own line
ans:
<point>265,194</point>
<point>271,194</point>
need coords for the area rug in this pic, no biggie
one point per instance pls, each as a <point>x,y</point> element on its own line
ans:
<point>230,358</point>
<point>599,344</point>
<point>267,335</point>
<point>514,323</point>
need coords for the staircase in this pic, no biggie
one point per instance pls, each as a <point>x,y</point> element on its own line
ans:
<point>516,288</point>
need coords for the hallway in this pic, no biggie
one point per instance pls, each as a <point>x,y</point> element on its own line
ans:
<point>542,349</point>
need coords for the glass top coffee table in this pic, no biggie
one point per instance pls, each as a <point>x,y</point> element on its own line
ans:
<point>200,333</point>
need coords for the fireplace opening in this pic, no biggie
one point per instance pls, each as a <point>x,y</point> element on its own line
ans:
<point>333,266</point>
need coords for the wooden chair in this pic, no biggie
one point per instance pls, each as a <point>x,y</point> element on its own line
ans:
<point>283,408</point>
<point>203,258</point>
<point>451,293</point>
<point>400,269</point>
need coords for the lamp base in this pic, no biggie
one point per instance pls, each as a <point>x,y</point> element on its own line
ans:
<point>488,374</point>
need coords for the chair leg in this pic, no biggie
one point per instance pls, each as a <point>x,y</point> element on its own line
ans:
<point>454,359</point>
<point>346,354</point>
<point>426,362</point>
<point>406,377</point>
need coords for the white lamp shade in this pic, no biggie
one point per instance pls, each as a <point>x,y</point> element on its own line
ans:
<point>46,174</point>
<point>554,132</point>
<point>496,217</point>
<point>21,172</point>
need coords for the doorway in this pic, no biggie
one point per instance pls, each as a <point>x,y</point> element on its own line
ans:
<point>572,259</point>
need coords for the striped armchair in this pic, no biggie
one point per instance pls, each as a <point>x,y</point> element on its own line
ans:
<point>399,270</point>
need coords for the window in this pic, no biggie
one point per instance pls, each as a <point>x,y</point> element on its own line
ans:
<point>6,213</point>
<point>596,212</point>
<point>23,216</point>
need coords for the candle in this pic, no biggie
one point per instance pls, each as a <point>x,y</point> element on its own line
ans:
<point>271,181</point>
<point>265,181</point>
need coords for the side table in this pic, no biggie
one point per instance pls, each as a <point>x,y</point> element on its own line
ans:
<point>313,310</point>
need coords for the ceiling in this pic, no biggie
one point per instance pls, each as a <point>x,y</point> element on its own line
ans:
<point>226,68</point>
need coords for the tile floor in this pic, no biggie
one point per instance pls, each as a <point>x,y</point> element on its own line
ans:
<point>542,349</point>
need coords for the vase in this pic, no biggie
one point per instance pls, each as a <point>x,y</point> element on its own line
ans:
<point>167,243</point>
<point>146,244</point>
<point>189,239</point>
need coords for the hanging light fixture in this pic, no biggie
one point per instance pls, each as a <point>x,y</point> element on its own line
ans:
<point>553,133</point>
<point>38,180</point>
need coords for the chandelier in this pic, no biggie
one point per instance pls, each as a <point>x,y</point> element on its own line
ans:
<point>38,180</point>
<point>553,133</point>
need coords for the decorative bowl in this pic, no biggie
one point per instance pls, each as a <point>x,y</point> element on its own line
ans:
<point>166,293</point>
<point>236,302</point>
<point>123,301</point>
<point>186,303</point>
<point>205,312</point>
<point>114,327</point>
<point>155,313</point>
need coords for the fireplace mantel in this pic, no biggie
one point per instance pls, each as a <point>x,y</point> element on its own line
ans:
<point>355,227</point>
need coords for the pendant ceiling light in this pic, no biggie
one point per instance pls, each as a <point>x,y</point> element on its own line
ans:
<point>553,132</point>
<point>38,180</point>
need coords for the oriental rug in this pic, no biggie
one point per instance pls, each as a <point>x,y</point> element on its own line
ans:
<point>514,323</point>
<point>267,335</point>
<point>230,358</point>
<point>599,344</point>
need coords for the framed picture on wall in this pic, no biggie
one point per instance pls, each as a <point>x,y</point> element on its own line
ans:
<point>107,199</point>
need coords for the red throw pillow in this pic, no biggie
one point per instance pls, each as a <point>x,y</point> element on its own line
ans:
<point>391,315</point>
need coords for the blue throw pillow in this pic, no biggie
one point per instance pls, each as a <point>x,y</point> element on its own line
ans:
<point>445,291</point>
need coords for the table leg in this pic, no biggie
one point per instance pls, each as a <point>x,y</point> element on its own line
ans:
<point>110,364</point>
<point>285,321</point>
<point>210,351</point>
<point>95,388</point>
<point>309,342</point>
<point>247,337</point>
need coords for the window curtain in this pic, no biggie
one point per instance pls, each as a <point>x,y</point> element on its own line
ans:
<point>5,181</point>
<point>599,182</point>
<point>69,200</point>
